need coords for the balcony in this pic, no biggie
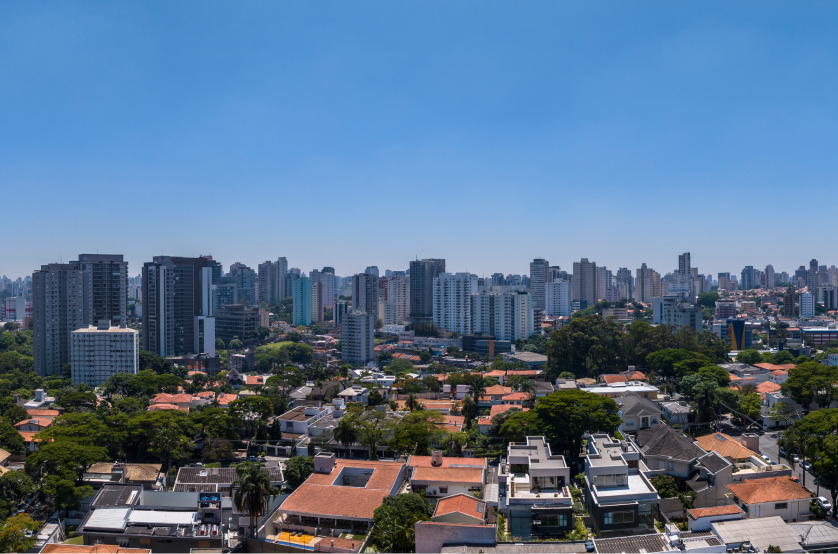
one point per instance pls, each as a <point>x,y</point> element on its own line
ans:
<point>524,489</point>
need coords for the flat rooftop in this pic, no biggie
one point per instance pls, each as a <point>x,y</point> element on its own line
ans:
<point>297,414</point>
<point>636,485</point>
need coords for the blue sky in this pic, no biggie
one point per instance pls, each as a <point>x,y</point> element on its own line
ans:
<point>357,133</point>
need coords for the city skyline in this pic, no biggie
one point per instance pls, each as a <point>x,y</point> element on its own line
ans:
<point>602,131</point>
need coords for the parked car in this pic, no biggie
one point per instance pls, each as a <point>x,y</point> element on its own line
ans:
<point>823,503</point>
<point>766,458</point>
<point>794,458</point>
<point>589,546</point>
<point>806,465</point>
<point>782,452</point>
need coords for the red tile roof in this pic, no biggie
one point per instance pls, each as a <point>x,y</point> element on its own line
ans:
<point>460,503</point>
<point>609,379</point>
<point>729,509</point>
<point>166,406</point>
<point>769,489</point>
<point>171,398</point>
<point>768,386</point>
<point>725,446</point>
<point>515,396</point>
<point>448,474</point>
<point>35,412</point>
<point>425,461</point>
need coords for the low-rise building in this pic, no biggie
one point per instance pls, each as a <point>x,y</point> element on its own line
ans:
<point>460,508</point>
<point>298,419</point>
<point>701,519</point>
<point>675,412</point>
<point>98,352</point>
<point>440,475</point>
<point>218,479</point>
<point>638,413</point>
<point>774,496</point>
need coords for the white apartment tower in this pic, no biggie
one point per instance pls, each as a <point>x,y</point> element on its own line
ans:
<point>506,316</point>
<point>452,302</point>
<point>101,351</point>
<point>807,304</point>
<point>557,299</point>
<point>357,338</point>
<point>539,276</point>
<point>647,284</point>
<point>397,307</point>
<point>583,286</point>
<point>769,277</point>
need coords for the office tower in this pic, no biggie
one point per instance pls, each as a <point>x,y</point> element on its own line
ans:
<point>498,280</point>
<point>673,311</point>
<point>625,283</point>
<point>58,309</point>
<point>372,270</point>
<point>557,298</point>
<point>554,273</point>
<point>106,287</point>
<point>301,295</point>
<point>748,278</point>
<point>684,263</point>
<point>177,306</point>
<point>725,309</point>
<point>365,293</point>
<point>604,283</point>
<point>316,302</point>
<point>539,275</point>
<point>681,286</point>
<point>224,292</point>
<point>267,285</point>
<point>398,299</point>
<point>647,284</point>
<point>725,282</point>
<point>422,275</point>
<point>246,281</point>
<point>452,302</point>
<point>807,304</point>
<point>339,312</point>
<point>291,275</point>
<point>769,277</point>
<point>506,316</point>
<point>238,320</point>
<point>215,267</point>
<point>358,337</point>
<point>583,285</point>
<point>97,352</point>
<point>788,302</point>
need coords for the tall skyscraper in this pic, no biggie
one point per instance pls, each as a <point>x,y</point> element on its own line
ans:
<point>398,300</point>
<point>177,306</point>
<point>358,337</point>
<point>372,270</point>
<point>812,281</point>
<point>58,309</point>
<point>291,275</point>
<point>788,302</point>
<point>365,293</point>
<point>769,277</point>
<point>422,275</point>
<point>267,285</point>
<point>106,284</point>
<point>539,275</point>
<point>217,269</point>
<point>748,278</point>
<point>807,304</point>
<point>684,263</point>
<point>583,286</point>
<point>452,302</point>
<point>327,279</point>
<point>647,284</point>
<point>625,283</point>
<point>604,282</point>
<point>301,295</point>
<point>506,316</point>
<point>316,302</point>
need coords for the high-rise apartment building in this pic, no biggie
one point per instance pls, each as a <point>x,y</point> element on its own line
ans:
<point>301,297</point>
<point>647,284</point>
<point>316,302</point>
<point>339,311</point>
<point>246,281</point>
<point>749,280</point>
<point>358,337</point>
<point>58,308</point>
<point>539,276</point>
<point>272,281</point>
<point>372,270</point>
<point>215,267</point>
<point>106,284</point>
<point>769,277</point>
<point>506,316</point>
<point>237,320</point>
<point>224,292</point>
<point>788,302</point>
<point>604,283</point>
<point>177,306</point>
<point>557,301</point>
<point>365,293</point>
<point>807,304</point>
<point>291,275</point>
<point>452,302</point>
<point>625,283</point>
<point>583,285</point>
<point>684,265</point>
<point>422,275</point>
<point>396,307</point>
<point>327,280</point>
<point>97,352</point>
<point>812,277</point>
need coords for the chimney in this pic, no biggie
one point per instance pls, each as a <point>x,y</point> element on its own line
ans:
<point>436,458</point>
<point>324,462</point>
<point>751,441</point>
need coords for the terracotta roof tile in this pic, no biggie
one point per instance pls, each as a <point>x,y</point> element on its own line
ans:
<point>94,549</point>
<point>768,386</point>
<point>729,509</point>
<point>516,396</point>
<point>448,474</point>
<point>608,379</point>
<point>447,461</point>
<point>769,489</point>
<point>724,445</point>
<point>34,412</point>
<point>460,503</point>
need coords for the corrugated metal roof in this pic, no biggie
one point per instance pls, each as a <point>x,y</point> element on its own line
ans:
<point>108,518</point>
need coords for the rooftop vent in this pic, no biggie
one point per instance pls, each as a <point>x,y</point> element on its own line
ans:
<point>436,458</point>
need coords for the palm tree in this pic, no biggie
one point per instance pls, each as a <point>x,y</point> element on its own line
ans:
<point>476,387</point>
<point>253,491</point>
<point>411,403</point>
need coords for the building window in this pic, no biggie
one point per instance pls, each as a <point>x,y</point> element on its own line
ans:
<point>610,518</point>
<point>443,490</point>
<point>781,506</point>
<point>629,421</point>
<point>562,520</point>
<point>671,466</point>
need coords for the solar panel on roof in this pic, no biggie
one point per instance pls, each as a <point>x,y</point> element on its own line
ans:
<point>721,437</point>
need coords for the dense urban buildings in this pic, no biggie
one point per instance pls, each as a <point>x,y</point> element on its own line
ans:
<point>452,302</point>
<point>58,309</point>
<point>422,275</point>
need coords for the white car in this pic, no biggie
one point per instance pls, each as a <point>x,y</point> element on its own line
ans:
<point>806,465</point>
<point>823,503</point>
<point>766,458</point>
<point>794,458</point>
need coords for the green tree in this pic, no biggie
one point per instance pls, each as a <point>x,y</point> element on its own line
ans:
<point>219,344</point>
<point>826,466</point>
<point>749,357</point>
<point>587,346</point>
<point>417,432</point>
<point>565,416</point>
<point>811,382</point>
<point>10,439</point>
<point>397,366</point>
<point>345,432</point>
<point>715,373</point>
<point>393,530</point>
<point>298,469</point>
<point>14,536</point>
<point>704,400</point>
<point>707,299</point>
<point>751,405</point>
<point>665,485</point>
<point>252,491</point>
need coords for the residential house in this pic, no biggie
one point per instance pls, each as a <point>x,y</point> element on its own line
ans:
<point>615,390</point>
<point>297,420</point>
<point>493,395</point>
<point>460,508</point>
<point>773,496</point>
<point>620,498</point>
<point>355,393</point>
<point>218,479</point>
<point>675,413</point>
<point>440,475</point>
<point>485,422</point>
<point>533,490</point>
<point>700,519</point>
<point>667,450</point>
<point>637,413</point>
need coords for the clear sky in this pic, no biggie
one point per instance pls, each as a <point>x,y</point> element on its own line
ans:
<point>368,133</point>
